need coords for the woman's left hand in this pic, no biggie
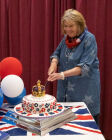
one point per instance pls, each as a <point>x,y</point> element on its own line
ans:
<point>54,76</point>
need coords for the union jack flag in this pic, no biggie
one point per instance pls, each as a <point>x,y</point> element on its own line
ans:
<point>84,124</point>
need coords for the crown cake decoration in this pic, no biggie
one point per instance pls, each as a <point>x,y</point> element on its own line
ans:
<point>38,90</point>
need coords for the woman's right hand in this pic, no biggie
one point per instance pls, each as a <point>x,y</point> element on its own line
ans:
<point>52,68</point>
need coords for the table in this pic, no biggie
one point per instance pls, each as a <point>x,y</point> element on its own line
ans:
<point>82,128</point>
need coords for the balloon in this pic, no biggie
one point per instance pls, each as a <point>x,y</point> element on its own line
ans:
<point>1,97</point>
<point>12,86</point>
<point>10,65</point>
<point>16,100</point>
<point>0,70</point>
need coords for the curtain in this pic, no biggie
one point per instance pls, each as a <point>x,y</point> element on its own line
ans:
<point>30,31</point>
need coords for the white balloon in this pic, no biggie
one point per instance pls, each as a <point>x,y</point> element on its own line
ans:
<point>12,86</point>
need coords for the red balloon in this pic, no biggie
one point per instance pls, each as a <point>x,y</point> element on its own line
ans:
<point>10,65</point>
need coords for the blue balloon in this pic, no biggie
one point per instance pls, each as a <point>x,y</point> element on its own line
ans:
<point>16,100</point>
<point>1,97</point>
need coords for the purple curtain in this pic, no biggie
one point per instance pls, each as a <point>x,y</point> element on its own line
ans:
<point>30,31</point>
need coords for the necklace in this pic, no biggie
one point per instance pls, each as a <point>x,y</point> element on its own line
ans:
<point>68,52</point>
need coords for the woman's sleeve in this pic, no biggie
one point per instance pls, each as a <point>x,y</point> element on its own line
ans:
<point>89,55</point>
<point>56,53</point>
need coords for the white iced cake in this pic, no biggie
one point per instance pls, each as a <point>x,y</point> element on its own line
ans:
<point>35,105</point>
<point>38,102</point>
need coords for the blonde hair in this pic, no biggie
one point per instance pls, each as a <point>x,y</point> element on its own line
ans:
<point>76,17</point>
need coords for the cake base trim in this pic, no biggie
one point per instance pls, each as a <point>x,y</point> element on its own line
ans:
<point>19,111</point>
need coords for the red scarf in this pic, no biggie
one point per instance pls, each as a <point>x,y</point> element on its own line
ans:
<point>72,43</point>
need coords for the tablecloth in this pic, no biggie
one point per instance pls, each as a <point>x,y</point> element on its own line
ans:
<point>83,126</point>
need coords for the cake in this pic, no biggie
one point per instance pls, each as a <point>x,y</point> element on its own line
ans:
<point>38,102</point>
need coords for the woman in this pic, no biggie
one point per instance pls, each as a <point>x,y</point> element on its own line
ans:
<point>78,66</point>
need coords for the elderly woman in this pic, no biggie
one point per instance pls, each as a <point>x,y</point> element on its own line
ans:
<point>78,66</point>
